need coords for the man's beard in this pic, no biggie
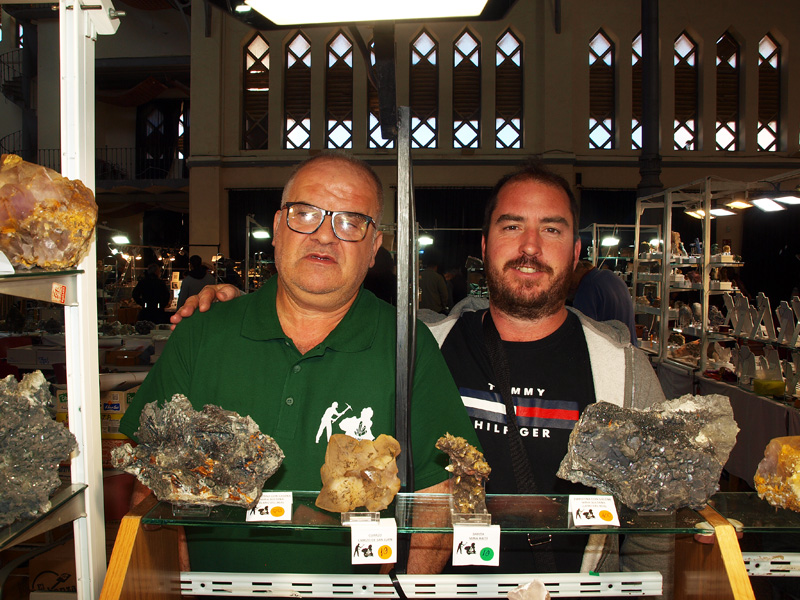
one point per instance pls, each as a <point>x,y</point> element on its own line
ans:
<point>522,301</point>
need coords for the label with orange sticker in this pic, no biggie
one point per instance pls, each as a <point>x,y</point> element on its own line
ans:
<point>373,542</point>
<point>58,294</point>
<point>598,510</point>
<point>272,506</point>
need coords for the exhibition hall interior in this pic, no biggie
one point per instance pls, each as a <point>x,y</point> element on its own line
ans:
<point>613,408</point>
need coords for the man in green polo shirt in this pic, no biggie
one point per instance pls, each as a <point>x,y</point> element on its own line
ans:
<point>309,354</point>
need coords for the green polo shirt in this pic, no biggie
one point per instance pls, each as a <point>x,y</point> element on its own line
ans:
<point>236,356</point>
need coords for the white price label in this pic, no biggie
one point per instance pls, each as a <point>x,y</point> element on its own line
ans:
<point>272,506</point>
<point>594,510</point>
<point>373,543</point>
<point>476,545</point>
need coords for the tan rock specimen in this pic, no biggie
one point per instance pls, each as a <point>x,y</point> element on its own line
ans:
<point>777,478</point>
<point>46,220</point>
<point>359,473</point>
<point>470,472</point>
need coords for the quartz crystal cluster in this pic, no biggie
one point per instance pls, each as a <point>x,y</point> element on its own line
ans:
<point>46,220</point>
<point>32,445</point>
<point>469,473</point>
<point>663,458</point>
<point>359,473</point>
<point>777,478</point>
<point>208,457</point>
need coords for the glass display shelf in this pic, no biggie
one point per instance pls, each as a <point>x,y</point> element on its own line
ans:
<point>66,505</point>
<point>38,284</point>
<point>430,513</point>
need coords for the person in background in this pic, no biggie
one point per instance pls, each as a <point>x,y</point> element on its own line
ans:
<point>310,352</point>
<point>195,280</point>
<point>602,295</point>
<point>153,295</point>
<point>381,278</point>
<point>457,286</point>
<point>433,288</point>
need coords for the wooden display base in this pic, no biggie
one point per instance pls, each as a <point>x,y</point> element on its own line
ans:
<point>144,563</point>
<point>711,571</point>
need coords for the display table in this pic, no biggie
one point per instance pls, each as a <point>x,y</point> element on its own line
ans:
<point>134,572</point>
<point>760,419</point>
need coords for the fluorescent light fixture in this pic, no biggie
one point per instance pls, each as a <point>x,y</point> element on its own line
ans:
<point>741,204</point>
<point>721,212</point>
<point>697,213</point>
<point>425,240</point>
<point>788,199</point>
<point>324,11</point>
<point>243,8</point>
<point>261,234</point>
<point>120,239</point>
<point>609,241</point>
<point>767,205</point>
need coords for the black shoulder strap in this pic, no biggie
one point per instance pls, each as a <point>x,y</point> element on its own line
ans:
<point>523,474</point>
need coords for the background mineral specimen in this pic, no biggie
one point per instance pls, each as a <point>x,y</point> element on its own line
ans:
<point>777,478</point>
<point>46,220</point>
<point>664,458</point>
<point>470,472</point>
<point>32,445</point>
<point>204,458</point>
<point>359,473</point>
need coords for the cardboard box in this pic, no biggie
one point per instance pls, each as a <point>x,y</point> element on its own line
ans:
<point>46,357</point>
<point>54,570</point>
<point>109,426</point>
<point>119,399</point>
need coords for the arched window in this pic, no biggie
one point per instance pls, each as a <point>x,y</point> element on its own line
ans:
<point>685,68</point>
<point>636,93</point>
<point>297,93</point>
<point>424,91</point>
<point>727,125</point>
<point>255,95</point>
<point>602,95</point>
<point>339,93</point>
<point>466,91</point>
<point>769,94</point>
<point>375,136</point>
<point>508,91</point>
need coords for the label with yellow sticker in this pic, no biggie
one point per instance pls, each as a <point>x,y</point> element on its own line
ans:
<point>373,542</point>
<point>272,506</point>
<point>586,511</point>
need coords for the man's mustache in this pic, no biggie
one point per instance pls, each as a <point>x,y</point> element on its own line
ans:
<point>531,263</point>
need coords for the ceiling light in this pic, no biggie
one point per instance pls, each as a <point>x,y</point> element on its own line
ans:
<point>260,234</point>
<point>788,199</point>
<point>425,240</point>
<point>120,239</point>
<point>698,213</point>
<point>739,204</point>
<point>325,11</point>
<point>609,241</point>
<point>767,205</point>
<point>721,212</point>
<point>243,8</point>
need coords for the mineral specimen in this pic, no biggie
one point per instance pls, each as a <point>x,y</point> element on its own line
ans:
<point>32,445</point>
<point>470,472</point>
<point>206,458</point>
<point>46,220</point>
<point>359,473</point>
<point>533,590</point>
<point>777,478</point>
<point>663,458</point>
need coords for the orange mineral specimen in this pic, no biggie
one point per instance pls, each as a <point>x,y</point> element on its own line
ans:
<point>778,475</point>
<point>46,220</point>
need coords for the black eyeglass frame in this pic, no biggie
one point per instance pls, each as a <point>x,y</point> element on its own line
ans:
<point>325,213</point>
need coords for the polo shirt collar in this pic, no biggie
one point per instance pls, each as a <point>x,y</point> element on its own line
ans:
<point>354,333</point>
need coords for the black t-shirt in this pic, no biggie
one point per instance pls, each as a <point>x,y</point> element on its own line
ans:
<point>551,384</point>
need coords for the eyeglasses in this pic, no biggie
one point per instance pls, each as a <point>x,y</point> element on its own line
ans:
<point>347,226</point>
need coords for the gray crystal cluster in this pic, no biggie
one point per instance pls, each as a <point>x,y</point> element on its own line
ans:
<point>206,458</point>
<point>32,445</point>
<point>664,458</point>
